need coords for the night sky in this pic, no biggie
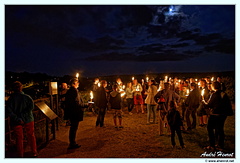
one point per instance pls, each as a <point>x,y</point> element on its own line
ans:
<point>97,40</point>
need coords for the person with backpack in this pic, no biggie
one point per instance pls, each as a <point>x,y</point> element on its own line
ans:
<point>220,107</point>
<point>163,98</point>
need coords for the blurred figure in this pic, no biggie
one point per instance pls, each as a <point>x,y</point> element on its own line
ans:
<point>151,104</point>
<point>74,111</point>
<point>101,102</point>
<point>223,87</point>
<point>119,84</point>
<point>220,106</point>
<point>115,102</point>
<point>63,91</point>
<point>137,96</point>
<point>192,102</point>
<point>129,97</point>
<point>175,123</point>
<point>96,85</point>
<point>163,98</point>
<point>202,109</point>
<point>19,108</point>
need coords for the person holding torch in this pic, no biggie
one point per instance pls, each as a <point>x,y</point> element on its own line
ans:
<point>203,109</point>
<point>137,96</point>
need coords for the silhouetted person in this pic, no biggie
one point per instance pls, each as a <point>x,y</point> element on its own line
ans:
<point>74,111</point>
<point>101,103</point>
<point>192,102</point>
<point>220,104</point>
<point>175,123</point>
<point>115,102</point>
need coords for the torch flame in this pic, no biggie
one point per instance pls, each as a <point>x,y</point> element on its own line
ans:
<point>203,92</point>
<point>91,95</point>
<point>212,79</point>
<point>77,75</point>
<point>122,94</point>
<point>99,84</point>
<point>133,78</point>
<point>166,78</point>
<point>159,89</point>
<point>187,93</point>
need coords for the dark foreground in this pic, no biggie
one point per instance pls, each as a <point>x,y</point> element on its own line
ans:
<point>135,140</point>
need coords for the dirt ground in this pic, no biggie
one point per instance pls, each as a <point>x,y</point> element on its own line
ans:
<point>135,140</point>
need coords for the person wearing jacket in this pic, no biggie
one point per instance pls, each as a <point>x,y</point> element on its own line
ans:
<point>192,102</point>
<point>151,103</point>
<point>218,115</point>
<point>73,111</point>
<point>175,122</point>
<point>137,96</point>
<point>19,108</point>
<point>101,103</point>
<point>168,95</point>
<point>115,102</point>
<point>129,97</point>
<point>202,110</point>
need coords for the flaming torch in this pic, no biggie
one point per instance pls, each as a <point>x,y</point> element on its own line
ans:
<point>212,79</point>
<point>132,78</point>
<point>91,96</point>
<point>203,92</point>
<point>77,75</point>
<point>166,78</point>
<point>187,93</point>
<point>147,78</point>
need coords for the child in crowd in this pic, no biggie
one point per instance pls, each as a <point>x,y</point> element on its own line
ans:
<point>175,122</point>
<point>115,102</point>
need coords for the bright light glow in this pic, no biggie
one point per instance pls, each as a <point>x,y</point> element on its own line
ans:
<point>203,92</point>
<point>166,78</point>
<point>147,78</point>
<point>91,95</point>
<point>77,75</point>
<point>133,78</point>
<point>212,79</point>
<point>122,94</point>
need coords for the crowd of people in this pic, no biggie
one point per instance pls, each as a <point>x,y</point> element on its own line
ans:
<point>177,101</point>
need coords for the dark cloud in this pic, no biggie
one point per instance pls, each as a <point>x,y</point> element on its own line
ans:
<point>101,44</point>
<point>166,55</point>
<point>223,46</point>
<point>151,48</point>
<point>132,33</point>
<point>179,45</point>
